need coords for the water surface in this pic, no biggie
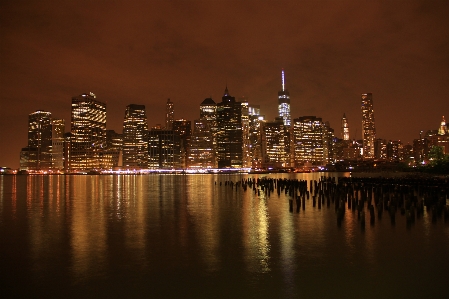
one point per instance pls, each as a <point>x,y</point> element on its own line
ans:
<point>187,236</point>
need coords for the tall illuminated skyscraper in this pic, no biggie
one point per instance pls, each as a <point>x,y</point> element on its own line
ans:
<point>310,134</point>
<point>344,128</point>
<point>169,115</point>
<point>284,103</point>
<point>88,128</point>
<point>368,128</point>
<point>135,144</point>
<point>275,144</point>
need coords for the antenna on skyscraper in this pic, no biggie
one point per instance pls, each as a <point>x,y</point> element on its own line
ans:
<point>283,80</point>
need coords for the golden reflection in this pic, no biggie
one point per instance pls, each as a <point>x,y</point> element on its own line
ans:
<point>88,228</point>
<point>201,208</point>
<point>256,232</point>
<point>13,196</point>
<point>135,232</point>
<point>287,235</point>
<point>263,243</point>
<point>350,223</point>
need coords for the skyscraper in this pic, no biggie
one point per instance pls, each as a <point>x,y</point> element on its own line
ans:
<point>208,112</point>
<point>368,128</point>
<point>275,139</point>
<point>169,115</point>
<point>88,128</point>
<point>57,144</point>
<point>37,155</point>
<point>284,103</point>
<point>201,153</point>
<point>344,128</point>
<point>135,144</point>
<point>229,132</point>
<point>164,149</point>
<point>183,128</point>
<point>310,138</point>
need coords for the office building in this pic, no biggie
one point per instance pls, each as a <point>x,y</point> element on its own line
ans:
<point>275,139</point>
<point>114,148</point>
<point>88,128</point>
<point>57,144</point>
<point>344,128</point>
<point>310,136</point>
<point>169,115</point>
<point>135,145</point>
<point>164,149</point>
<point>183,128</point>
<point>201,152</point>
<point>229,136</point>
<point>368,127</point>
<point>284,103</point>
<point>256,122</point>
<point>37,155</point>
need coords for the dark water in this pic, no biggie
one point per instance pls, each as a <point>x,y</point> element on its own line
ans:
<point>182,236</point>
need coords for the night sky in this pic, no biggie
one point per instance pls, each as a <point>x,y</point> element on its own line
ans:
<point>143,52</point>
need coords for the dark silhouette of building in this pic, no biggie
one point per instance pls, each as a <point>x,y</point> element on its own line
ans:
<point>229,136</point>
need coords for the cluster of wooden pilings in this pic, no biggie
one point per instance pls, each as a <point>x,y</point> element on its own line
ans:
<point>377,196</point>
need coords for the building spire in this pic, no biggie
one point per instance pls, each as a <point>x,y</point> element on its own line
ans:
<point>283,80</point>
<point>226,92</point>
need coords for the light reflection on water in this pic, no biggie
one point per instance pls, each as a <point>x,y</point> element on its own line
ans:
<point>161,235</point>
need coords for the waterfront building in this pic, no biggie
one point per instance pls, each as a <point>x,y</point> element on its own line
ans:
<point>328,143</point>
<point>275,138</point>
<point>67,150</point>
<point>37,154</point>
<point>246,150</point>
<point>164,149</point>
<point>380,149</point>
<point>310,134</point>
<point>229,136</point>
<point>368,126</point>
<point>113,155</point>
<point>394,150</point>
<point>284,103</point>
<point>169,115</point>
<point>135,145</point>
<point>88,128</point>
<point>256,122</point>
<point>201,153</point>
<point>45,149</point>
<point>183,128</point>
<point>344,128</point>
<point>57,144</point>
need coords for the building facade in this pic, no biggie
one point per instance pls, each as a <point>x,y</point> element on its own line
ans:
<point>368,127</point>
<point>37,155</point>
<point>284,103</point>
<point>135,143</point>
<point>309,141</point>
<point>201,152</point>
<point>164,149</point>
<point>169,115</point>
<point>275,138</point>
<point>344,128</point>
<point>229,135</point>
<point>88,128</point>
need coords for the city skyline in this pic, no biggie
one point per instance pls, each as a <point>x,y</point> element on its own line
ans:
<point>331,52</point>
